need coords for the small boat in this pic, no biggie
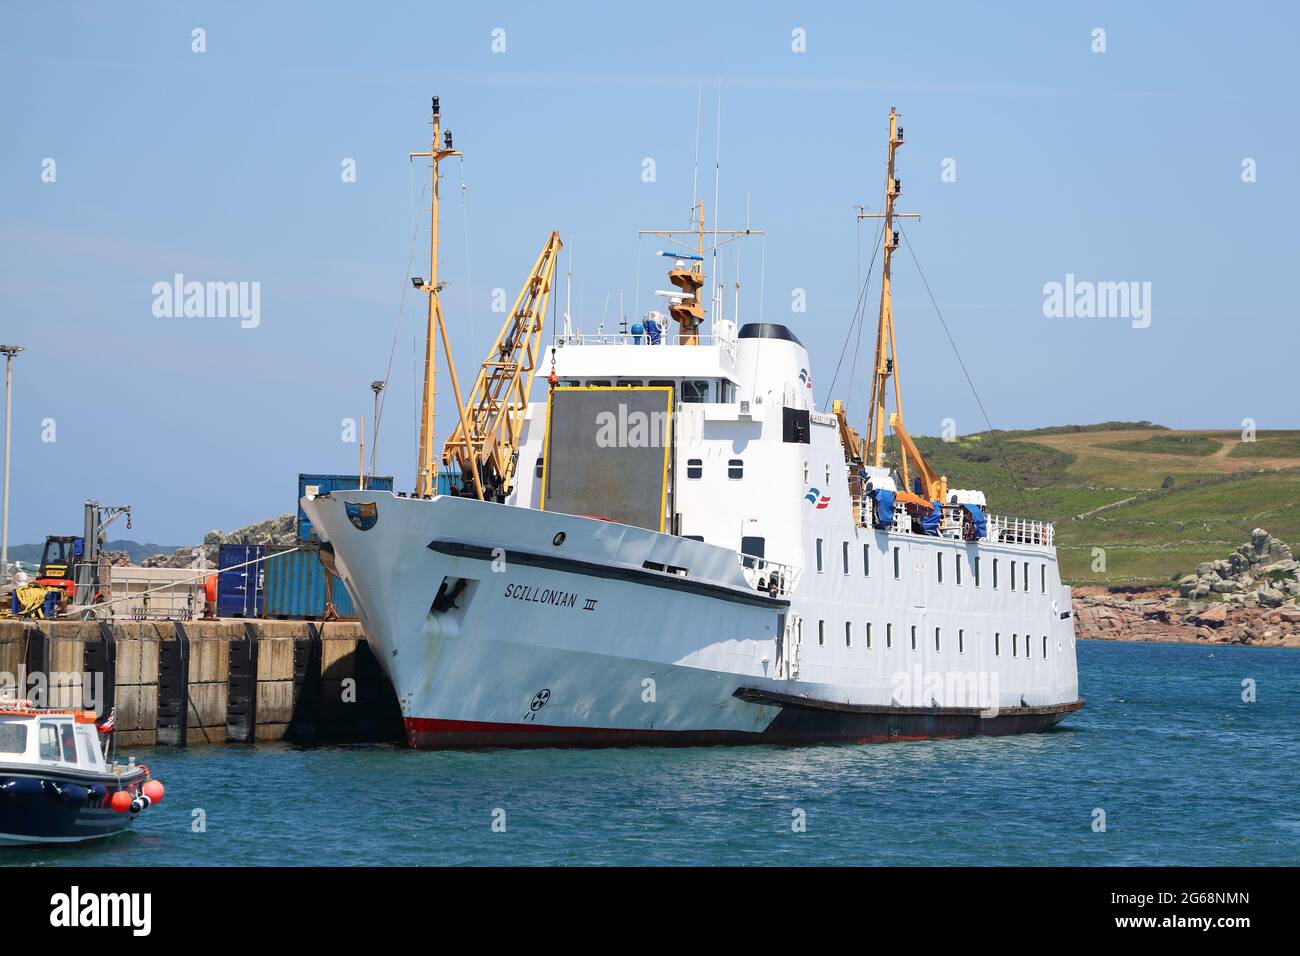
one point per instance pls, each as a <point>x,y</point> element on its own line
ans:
<point>56,783</point>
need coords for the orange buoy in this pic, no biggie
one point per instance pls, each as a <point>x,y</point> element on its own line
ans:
<point>153,789</point>
<point>121,801</point>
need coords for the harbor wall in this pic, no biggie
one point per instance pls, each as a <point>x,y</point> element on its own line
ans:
<point>208,682</point>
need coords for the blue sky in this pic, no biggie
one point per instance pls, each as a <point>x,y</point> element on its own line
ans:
<point>225,166</point>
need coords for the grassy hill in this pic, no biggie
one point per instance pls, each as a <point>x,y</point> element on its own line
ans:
<point>1158,501</point>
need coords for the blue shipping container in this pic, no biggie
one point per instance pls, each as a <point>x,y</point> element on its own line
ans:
<point>297,586</point>
<point>326,483</point>
<point>240,590</point>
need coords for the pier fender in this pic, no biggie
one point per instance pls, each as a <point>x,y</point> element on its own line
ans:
<point>96,793</point>
<point>141,802</point>
<point>74,795</point>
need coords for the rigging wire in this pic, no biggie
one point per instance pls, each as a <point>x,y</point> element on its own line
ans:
<point>993,434</point>
<point>858,318</point>
<point>401,307</point>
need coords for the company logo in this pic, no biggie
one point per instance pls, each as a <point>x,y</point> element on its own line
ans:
<point>805,376</point>
<point>75,909</point>
<point>818,500</point>
<point>363,515</point>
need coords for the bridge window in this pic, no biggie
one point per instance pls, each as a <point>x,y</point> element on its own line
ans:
<point>694,467</point>
<point>695,391</point>
<point>13,737</point>
<point>821,633</point>
<point>628,383</point>
<point>866,560</point>
<point>49,739</point>
<point>727,392</point>
<point>736,469</point>
<point>819,554</point>
<point>846,557</point>
<point>598,383</point>
<point>1044,647</point>
<point>1025,578</point>
<point>956,560</point>
<point>1013,575</point>
<point>570,382</point>
<point>1015,639</point>
<point>752,547</point>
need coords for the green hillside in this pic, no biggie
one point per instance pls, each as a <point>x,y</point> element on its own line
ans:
<point>1157,501</point>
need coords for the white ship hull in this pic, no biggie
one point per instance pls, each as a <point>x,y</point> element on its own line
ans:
<point>587,642</point>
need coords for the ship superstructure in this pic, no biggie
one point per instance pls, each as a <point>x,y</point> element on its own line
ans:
<point>670,543</point>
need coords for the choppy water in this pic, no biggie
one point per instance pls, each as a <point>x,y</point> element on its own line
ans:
<point>1185,772</point>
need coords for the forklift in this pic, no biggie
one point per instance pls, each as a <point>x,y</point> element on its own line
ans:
<point>70,563</point>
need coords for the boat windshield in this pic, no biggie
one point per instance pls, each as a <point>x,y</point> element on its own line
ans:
<point>13,736</point>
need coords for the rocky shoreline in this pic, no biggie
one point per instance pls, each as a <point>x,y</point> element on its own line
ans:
<point>1249,597</point>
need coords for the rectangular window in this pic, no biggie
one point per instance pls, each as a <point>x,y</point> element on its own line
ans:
<point>735,469</point>
<point>961,641</point>
<point>819,554</point>
<point>1015,639</point>
<point>541,463</point>
<point>1025,578</point>
<point>694,468</point>
<point>937,646</point>
<point>1044,647</point>
<point>1042,578</point>
<point>48,736</point>
<point>69,743</point>
<point>13,737</point>
<point>889,635</point>
<point>997,644</point>
<point>913,637</point>
<point>848,633</point>
<point>995,574</point>
<point>846,557</point>
<point>976,567</point>
<point>938,564</point>
<point>868,626</point>
<point>752,547</point>
<point>628,382</point>
<point>1013,575</point>
<point>821,633</point>
<point>896,567</point>
<point>695,391</point>
<point>866,560</point>
<point>956,560</point>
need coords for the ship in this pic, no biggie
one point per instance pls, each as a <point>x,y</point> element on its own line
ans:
<point>669,543</point>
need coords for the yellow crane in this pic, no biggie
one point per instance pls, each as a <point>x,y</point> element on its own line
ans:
<point>485,445</point>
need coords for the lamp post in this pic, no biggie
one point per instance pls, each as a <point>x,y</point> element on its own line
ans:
<point>9,351</point>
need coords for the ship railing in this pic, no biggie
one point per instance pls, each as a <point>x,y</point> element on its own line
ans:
<point>774,577</point>
<point>627,338</point>
<point>1006,530</point>
<point>1000,529</point>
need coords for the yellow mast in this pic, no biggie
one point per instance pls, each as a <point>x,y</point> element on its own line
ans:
<point>426,481</point>
<point>886,366</point>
